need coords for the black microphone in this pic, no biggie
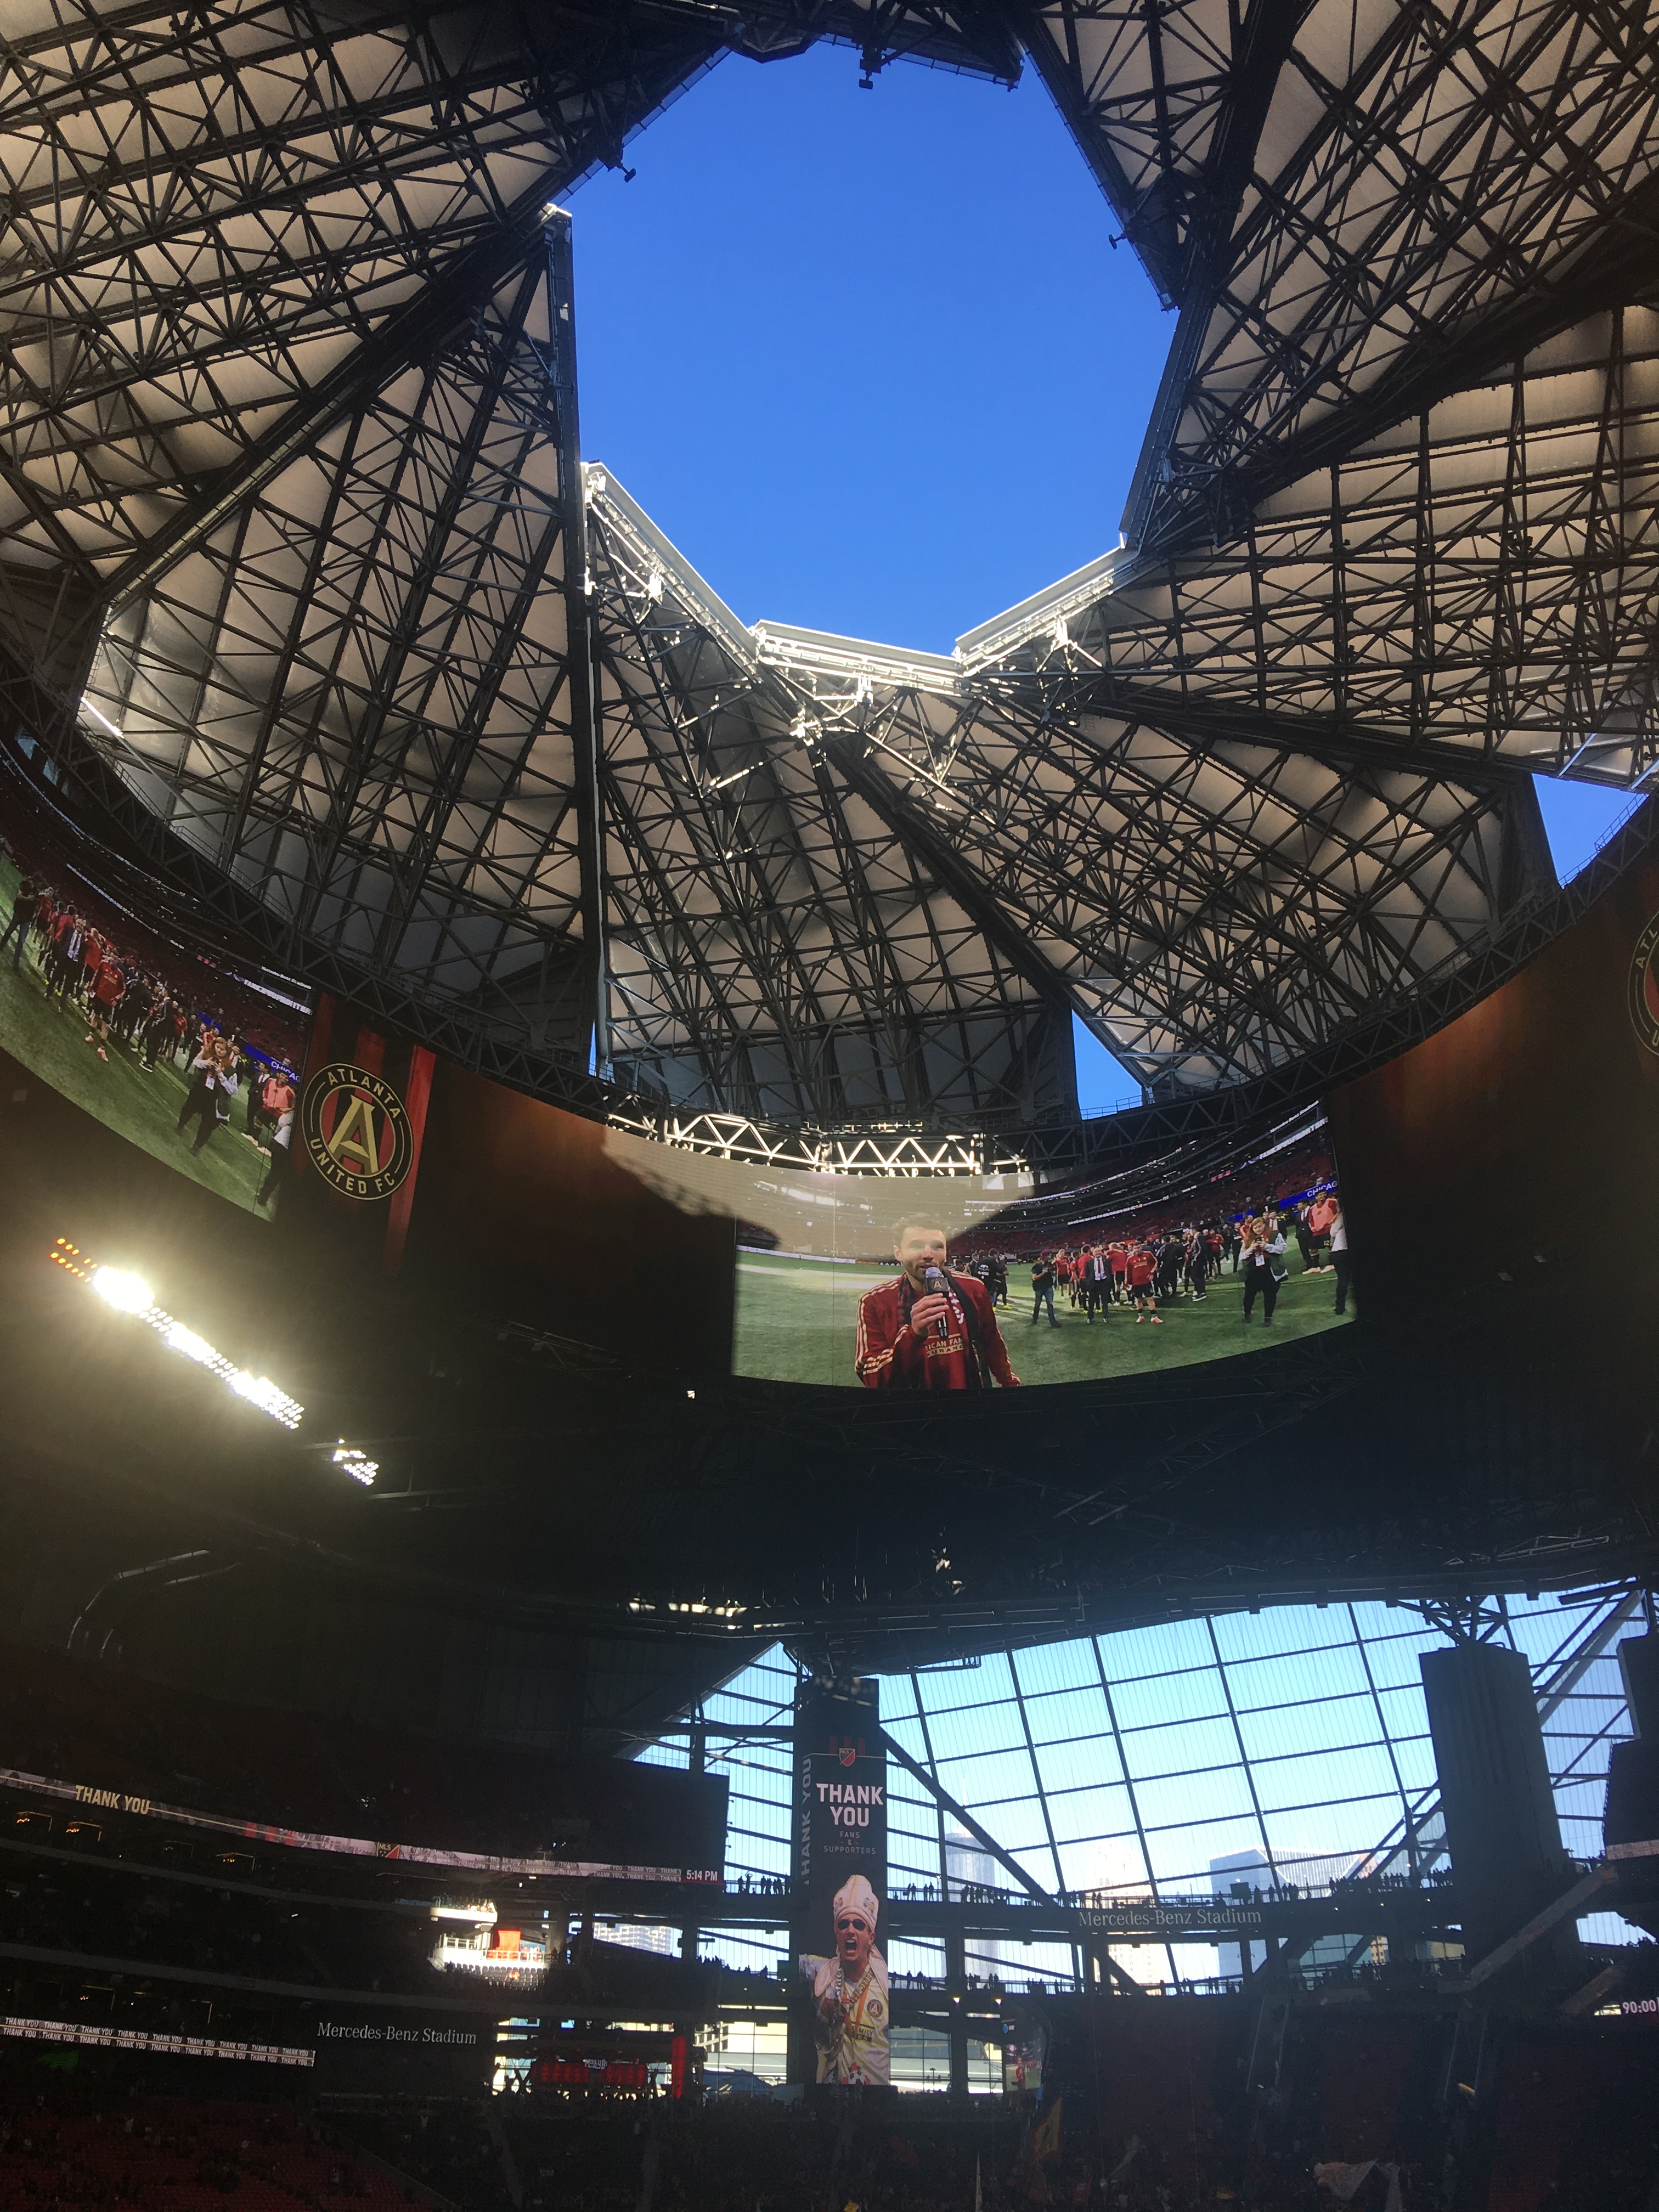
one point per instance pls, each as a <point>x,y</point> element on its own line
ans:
<point>935,1281</point>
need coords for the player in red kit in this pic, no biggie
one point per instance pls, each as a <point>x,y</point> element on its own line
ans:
<point>901,1344</point>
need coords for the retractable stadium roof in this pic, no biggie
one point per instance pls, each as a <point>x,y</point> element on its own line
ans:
<point>299,586</point>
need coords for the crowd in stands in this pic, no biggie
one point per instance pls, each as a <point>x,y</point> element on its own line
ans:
<point>737,2159</point>
<point>237,1061</point>
<point>445,2146</point>
<point>1301,1169</point>
<point>1167,2107</point>
<point>110,1913</point>
<point>62,2150</point>
<point>1147,1265</point>
<point>1217,1163</point>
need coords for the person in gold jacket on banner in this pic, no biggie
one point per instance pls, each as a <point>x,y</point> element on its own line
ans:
<point>850,2009</point>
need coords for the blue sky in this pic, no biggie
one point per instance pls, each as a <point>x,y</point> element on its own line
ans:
<point>870,360</point>
<point>1577,818</point>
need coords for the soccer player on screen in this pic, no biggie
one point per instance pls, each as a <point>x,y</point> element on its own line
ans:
<point>929,1329</point>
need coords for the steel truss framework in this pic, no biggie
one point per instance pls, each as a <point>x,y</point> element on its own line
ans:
<point>296,537</point>
<point>1118,1766</point>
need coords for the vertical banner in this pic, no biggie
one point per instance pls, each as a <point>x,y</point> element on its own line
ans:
<point>839,2008</point>
<point>360,1124</point>
<point>417,1090</point>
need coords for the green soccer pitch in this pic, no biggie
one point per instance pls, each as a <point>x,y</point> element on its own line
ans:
<point>796,1320</point>
<point>48,1036</point>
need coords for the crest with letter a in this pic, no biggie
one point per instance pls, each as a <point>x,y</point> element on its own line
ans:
<point>355,1131</point>
<point>1644,987</point>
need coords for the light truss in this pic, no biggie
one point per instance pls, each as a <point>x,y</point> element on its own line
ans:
<point>296,530</point>
<point>889,1153</point>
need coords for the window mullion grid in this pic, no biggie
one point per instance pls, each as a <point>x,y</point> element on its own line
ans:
<point>1129,1790</point>
<point>1564,1774</point>
<point>1243,1756</point>
<point>933,1768</point>
<point>1387,1741</point>
<point>1042,1800</point>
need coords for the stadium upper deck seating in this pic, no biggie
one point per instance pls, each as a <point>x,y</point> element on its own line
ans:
<point>170,2155</point>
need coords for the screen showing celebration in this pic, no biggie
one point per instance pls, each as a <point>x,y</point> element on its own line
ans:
<point>384,1153</point>
<point>185,1057</point>
<point>980,1283</point>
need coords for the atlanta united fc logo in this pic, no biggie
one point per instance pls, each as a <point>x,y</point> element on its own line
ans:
<point>353,1126</point>
<point>1644,987</point>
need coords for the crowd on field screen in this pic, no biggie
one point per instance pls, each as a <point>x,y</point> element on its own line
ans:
<point>1164,1268</point>
<point>132,1010</point>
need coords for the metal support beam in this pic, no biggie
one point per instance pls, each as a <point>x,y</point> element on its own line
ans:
<point>414,333</point>
<point>1571,1902</point>
<point>1586,1999</point>
<point>1347,746</point>
<point>1162,515</point>
<point>933,849</point>
<point>986,1842</point>
<point>581,642</point>
<point>446,301</point>
<point>956,1984</point>
<point>1261,46</point>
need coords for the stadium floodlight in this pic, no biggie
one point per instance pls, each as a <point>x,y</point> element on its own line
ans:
<point>356,1464</point>
<point>259,1390</point>
<point>180,1339</point>
<point>128,1294</point>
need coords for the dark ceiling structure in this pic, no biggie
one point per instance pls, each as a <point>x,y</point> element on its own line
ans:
<point>305,590</point>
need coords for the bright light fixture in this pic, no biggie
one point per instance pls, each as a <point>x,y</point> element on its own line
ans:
<point>127,1293</point>
<point>356,1464</point>
<point>113,729</point>
<point>184,1339</point>
<point>259,1390</point>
